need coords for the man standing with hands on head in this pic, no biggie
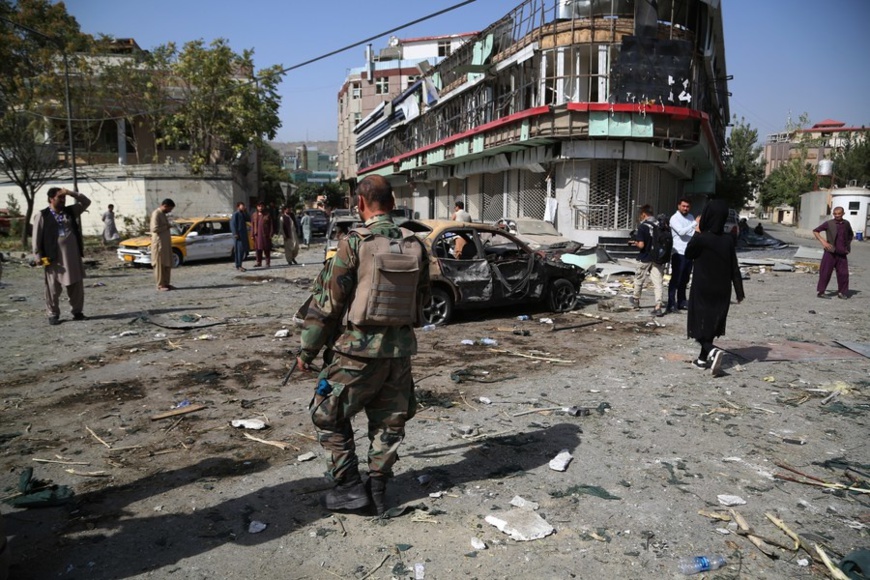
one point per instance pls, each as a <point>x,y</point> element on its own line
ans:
<point>58,246</point>
<point>161,245</point>
<point>683,226</point>
<point>373,292</point>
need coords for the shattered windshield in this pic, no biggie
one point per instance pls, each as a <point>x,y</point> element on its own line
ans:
<point>179,228</point>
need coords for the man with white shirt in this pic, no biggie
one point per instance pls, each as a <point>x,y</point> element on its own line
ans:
<point>683,226</point>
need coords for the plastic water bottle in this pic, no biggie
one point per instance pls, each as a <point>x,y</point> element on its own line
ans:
<point>524,317</point>
<point>698,564</point>
<point>429,327</point>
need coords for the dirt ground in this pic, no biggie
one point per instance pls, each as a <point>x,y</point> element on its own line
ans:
<point>655,442</point>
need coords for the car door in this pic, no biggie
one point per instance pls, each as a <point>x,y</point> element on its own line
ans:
<point>222,241</point>
<point>512,265</point>
<point>198,241</point>
<point>468,271</point>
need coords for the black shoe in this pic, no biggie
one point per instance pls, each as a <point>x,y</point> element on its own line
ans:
<point>671,310</point>
<point>79,316</point>
<point>54,320</point>
<point>346,496</point>
<point>684,305</point>
<point>377,488</point>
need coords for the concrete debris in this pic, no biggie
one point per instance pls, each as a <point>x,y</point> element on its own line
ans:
<point>249,423</point>
<point>521,524</point>
<point>561,461</point>
<point>283,333</point>
<point>306,456</point>
<point>730,500</point>
<point>478,544</point>
<point>256,527</point>
<point>520,502</point>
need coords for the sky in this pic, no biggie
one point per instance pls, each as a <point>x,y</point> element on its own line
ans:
<point>787,57</point>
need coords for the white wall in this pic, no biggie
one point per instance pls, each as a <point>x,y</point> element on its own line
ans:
<point>137,197</point>
<point>571,185</point>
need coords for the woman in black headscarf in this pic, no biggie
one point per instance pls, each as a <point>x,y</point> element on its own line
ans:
<point>715,270</point>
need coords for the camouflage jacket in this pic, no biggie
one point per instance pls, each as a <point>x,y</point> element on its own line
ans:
<point>327,309</point>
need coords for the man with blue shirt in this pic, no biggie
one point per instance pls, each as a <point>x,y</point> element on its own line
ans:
<point>683,227</point>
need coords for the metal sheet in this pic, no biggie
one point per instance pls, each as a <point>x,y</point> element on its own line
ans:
<point>785,351</point>
<point>808,253</point>
<point>862,348</point>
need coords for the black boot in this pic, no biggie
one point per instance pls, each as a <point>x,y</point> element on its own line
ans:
<point>378,489</point>
<point>350,495</point>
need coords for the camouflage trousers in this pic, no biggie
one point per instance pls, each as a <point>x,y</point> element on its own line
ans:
<point>384,389</point>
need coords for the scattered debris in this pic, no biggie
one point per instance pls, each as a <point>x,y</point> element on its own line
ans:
<point>256,527</point>
<point>521,524</point>
<point>306,456</point>
<point>478,544</point>
<point>249,423</point>
<point>729,500</point>
<point>283,333</point>
<point>520,502</point>
<point>36,493</point>
<point>180,411</point>
<point>561,461</point>
<point>279,444</point>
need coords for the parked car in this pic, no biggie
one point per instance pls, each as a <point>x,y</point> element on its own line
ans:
<point>337,230</point>
<point>201,238</point>
<point>493,268</point>
<point>319,221</point>
<point>538,234</point>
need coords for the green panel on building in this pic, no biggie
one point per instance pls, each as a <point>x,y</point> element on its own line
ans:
<point>477,144</point>
<point>620,125</point>
<point>598,123</point>
<point>462,148</point>
<point>642,125</point>
<point>435,156</point>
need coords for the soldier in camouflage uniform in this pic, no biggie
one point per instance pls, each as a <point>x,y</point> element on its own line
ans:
<point>371,370</point>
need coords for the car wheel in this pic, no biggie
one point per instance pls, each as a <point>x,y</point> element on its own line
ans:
<point>439,311</point>
<point>562,296</point>
<point>177,258</point>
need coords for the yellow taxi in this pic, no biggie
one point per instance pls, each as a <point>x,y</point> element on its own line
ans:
<point>201,238</point>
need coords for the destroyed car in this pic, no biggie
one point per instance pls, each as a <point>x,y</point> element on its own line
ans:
<point>202,238</point>
<point>538,234</point>
<point>474,265</point>
<point>337,230</point>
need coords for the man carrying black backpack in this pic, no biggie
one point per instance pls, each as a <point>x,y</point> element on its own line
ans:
<point>652,256</point>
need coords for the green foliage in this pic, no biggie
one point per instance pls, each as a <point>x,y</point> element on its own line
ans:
<point>786,183</point>
<point>272,175</point>
<point>222,108</point>
<point>31,91</point>
<point>743,170</point>
<point>853,162</point>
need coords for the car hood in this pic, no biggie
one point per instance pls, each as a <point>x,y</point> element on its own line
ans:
<point>137,242</point>
<point>543,239</point>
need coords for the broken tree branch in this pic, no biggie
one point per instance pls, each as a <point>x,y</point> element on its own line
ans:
<point>279,444</point>
<point>532,356</point>
<point>176,412</point>
<point>61,462</point>
<point>835,572</point>
<point>94,435</point>
<point>741,523</point>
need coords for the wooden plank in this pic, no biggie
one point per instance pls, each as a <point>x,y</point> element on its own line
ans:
<point>176,412</point>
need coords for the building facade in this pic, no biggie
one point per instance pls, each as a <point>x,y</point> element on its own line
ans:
<point>384,76</point>
<point>820,141</point>
<point>578,112</point>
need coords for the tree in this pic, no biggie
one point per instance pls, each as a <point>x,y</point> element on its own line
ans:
<point>786,183</point>
<point>36,36</point>
<point>743,170</point>
<point>853,162</point>
<point>272,175</point>
<point>222,108</point>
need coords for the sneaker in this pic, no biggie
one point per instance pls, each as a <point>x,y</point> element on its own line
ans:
<point>54,320</point>
<point>684,305</point>
<point>658,312</point>
<point>699,363</point>
<point>671,310</point>
<point>346,496</point>
<point>634,302</point>
<point>716,356</point>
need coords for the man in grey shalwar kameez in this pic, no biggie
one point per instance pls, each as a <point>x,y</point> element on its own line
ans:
<point>58,246</point>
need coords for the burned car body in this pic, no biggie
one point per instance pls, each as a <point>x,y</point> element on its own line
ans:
<point>475,265</point>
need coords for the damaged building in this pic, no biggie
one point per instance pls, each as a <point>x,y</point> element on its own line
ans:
<point>575,111</point>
